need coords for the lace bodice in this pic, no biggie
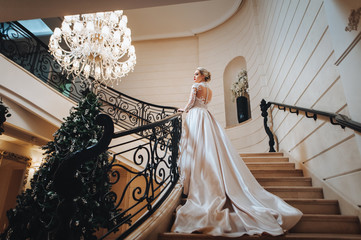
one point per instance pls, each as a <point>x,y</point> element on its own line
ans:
<point>194,100</point>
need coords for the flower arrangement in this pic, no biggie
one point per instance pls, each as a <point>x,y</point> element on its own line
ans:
<point>4,113</point>
<point>240,86</point>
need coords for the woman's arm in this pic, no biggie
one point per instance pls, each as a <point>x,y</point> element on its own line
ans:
<point>191,100</point>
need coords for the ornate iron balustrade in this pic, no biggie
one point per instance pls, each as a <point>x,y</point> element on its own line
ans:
<point>21,46</point>
<point>129,112</point>
<point>150,176</point>
<point>138,188</point>
<point>153,147</point>
<point>335,118</point>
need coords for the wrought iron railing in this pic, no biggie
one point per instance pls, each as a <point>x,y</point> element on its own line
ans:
<point>139,187</point>
<point>129,112</point>
<point>149,142</point>
<point>335,118</point>
<point>24,48</point>
<point>153,171</point>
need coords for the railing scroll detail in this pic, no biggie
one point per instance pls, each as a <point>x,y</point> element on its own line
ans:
<point>149,141</point>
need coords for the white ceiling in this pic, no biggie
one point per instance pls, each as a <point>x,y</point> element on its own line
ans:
<point>147,19</point>
<point>179,20</point>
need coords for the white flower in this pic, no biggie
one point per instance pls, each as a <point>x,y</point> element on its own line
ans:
<point>240,86</point>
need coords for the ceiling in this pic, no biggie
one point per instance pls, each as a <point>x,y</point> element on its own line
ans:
<point>156,19</point>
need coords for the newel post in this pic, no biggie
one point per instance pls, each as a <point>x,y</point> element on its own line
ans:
<point>264,108</point>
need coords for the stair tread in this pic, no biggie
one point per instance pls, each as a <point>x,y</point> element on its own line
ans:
<point>267,159</point>
<point>317,210</point>
<point>311,200</point>
<point>301,200</point>
<point>309,188</point>
<point>269,163</point>
<point>278,170</point>
<point>328,217</point>
<point>284,181</point>
<point>283,178</point>
<point>262,154</point>
<point>321,236</point>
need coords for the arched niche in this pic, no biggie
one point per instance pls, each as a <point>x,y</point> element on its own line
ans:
<point>230,74</point>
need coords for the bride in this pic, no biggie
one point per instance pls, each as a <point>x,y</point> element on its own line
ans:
<point>224,199</point>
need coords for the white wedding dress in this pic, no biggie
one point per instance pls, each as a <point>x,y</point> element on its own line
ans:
<point>224,199</point>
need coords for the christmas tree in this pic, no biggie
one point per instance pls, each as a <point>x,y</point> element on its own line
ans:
<point>4,113</point>
<point>36,215</point>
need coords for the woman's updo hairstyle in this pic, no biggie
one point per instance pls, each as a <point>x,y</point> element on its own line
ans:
<point>205,73</point>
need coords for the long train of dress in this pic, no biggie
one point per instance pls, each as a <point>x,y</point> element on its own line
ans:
<point>223,196</point>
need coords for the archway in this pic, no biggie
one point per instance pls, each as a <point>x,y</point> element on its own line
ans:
<point>233,68</point>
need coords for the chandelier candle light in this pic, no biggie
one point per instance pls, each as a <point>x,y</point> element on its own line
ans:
<point>99,46</point>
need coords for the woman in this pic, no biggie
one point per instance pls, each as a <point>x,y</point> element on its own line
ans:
<point>224,199</point>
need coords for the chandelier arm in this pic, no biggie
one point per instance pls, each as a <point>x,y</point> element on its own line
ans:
<point>99,46</point>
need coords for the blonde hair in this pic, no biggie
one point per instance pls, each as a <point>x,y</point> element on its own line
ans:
<point>205,73</point>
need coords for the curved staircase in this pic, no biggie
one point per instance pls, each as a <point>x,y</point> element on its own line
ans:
<point>321,219</point>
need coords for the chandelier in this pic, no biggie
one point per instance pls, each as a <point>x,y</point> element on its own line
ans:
<point>96,45</point>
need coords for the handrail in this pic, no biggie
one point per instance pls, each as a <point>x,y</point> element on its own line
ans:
<point>155,154</point>
<point>129,112</point>
<point>24,48</point>
<point>135,99</point>
<point>154,148</point>
<point>69,186</point>
<point>159,173</point>
<point>335,118</point>
<point>146,127</point>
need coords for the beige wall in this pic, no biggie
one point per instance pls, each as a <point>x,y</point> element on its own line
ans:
<point>36,113</point>
<point>27,91</point>
<point>238,37</point>
<point>290,57</point>
<point>300,70</point>
<point>164,71</point>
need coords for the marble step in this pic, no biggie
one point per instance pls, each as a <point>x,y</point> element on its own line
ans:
<point>326,223</point>
<point>297,192</point>
<point>284,181</point>
<point>265,159</point>
<point>268,154</point>
<point>315,206</point>
<point>271,166</point>
<point>299,236</point>
<point>316,224</point>
<point>309,206</point>
<point>277,173</point>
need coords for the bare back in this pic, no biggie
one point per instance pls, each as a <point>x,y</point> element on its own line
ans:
<point>204,93</point>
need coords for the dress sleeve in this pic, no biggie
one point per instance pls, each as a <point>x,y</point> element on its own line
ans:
<point>192,98</point>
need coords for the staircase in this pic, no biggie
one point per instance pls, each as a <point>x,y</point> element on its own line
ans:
<point>321,219</point>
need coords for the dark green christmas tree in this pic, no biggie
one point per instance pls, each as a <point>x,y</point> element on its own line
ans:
<point>36,215</point>
<point>4,113</point>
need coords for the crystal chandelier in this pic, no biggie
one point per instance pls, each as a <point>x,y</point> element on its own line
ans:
<point>96,45</point>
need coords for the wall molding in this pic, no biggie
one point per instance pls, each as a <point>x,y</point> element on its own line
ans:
<point>348,49</point>
<point>14,157</point>
<point>20,159</point>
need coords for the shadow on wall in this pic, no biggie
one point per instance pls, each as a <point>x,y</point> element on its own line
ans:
<point>235,113</point>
